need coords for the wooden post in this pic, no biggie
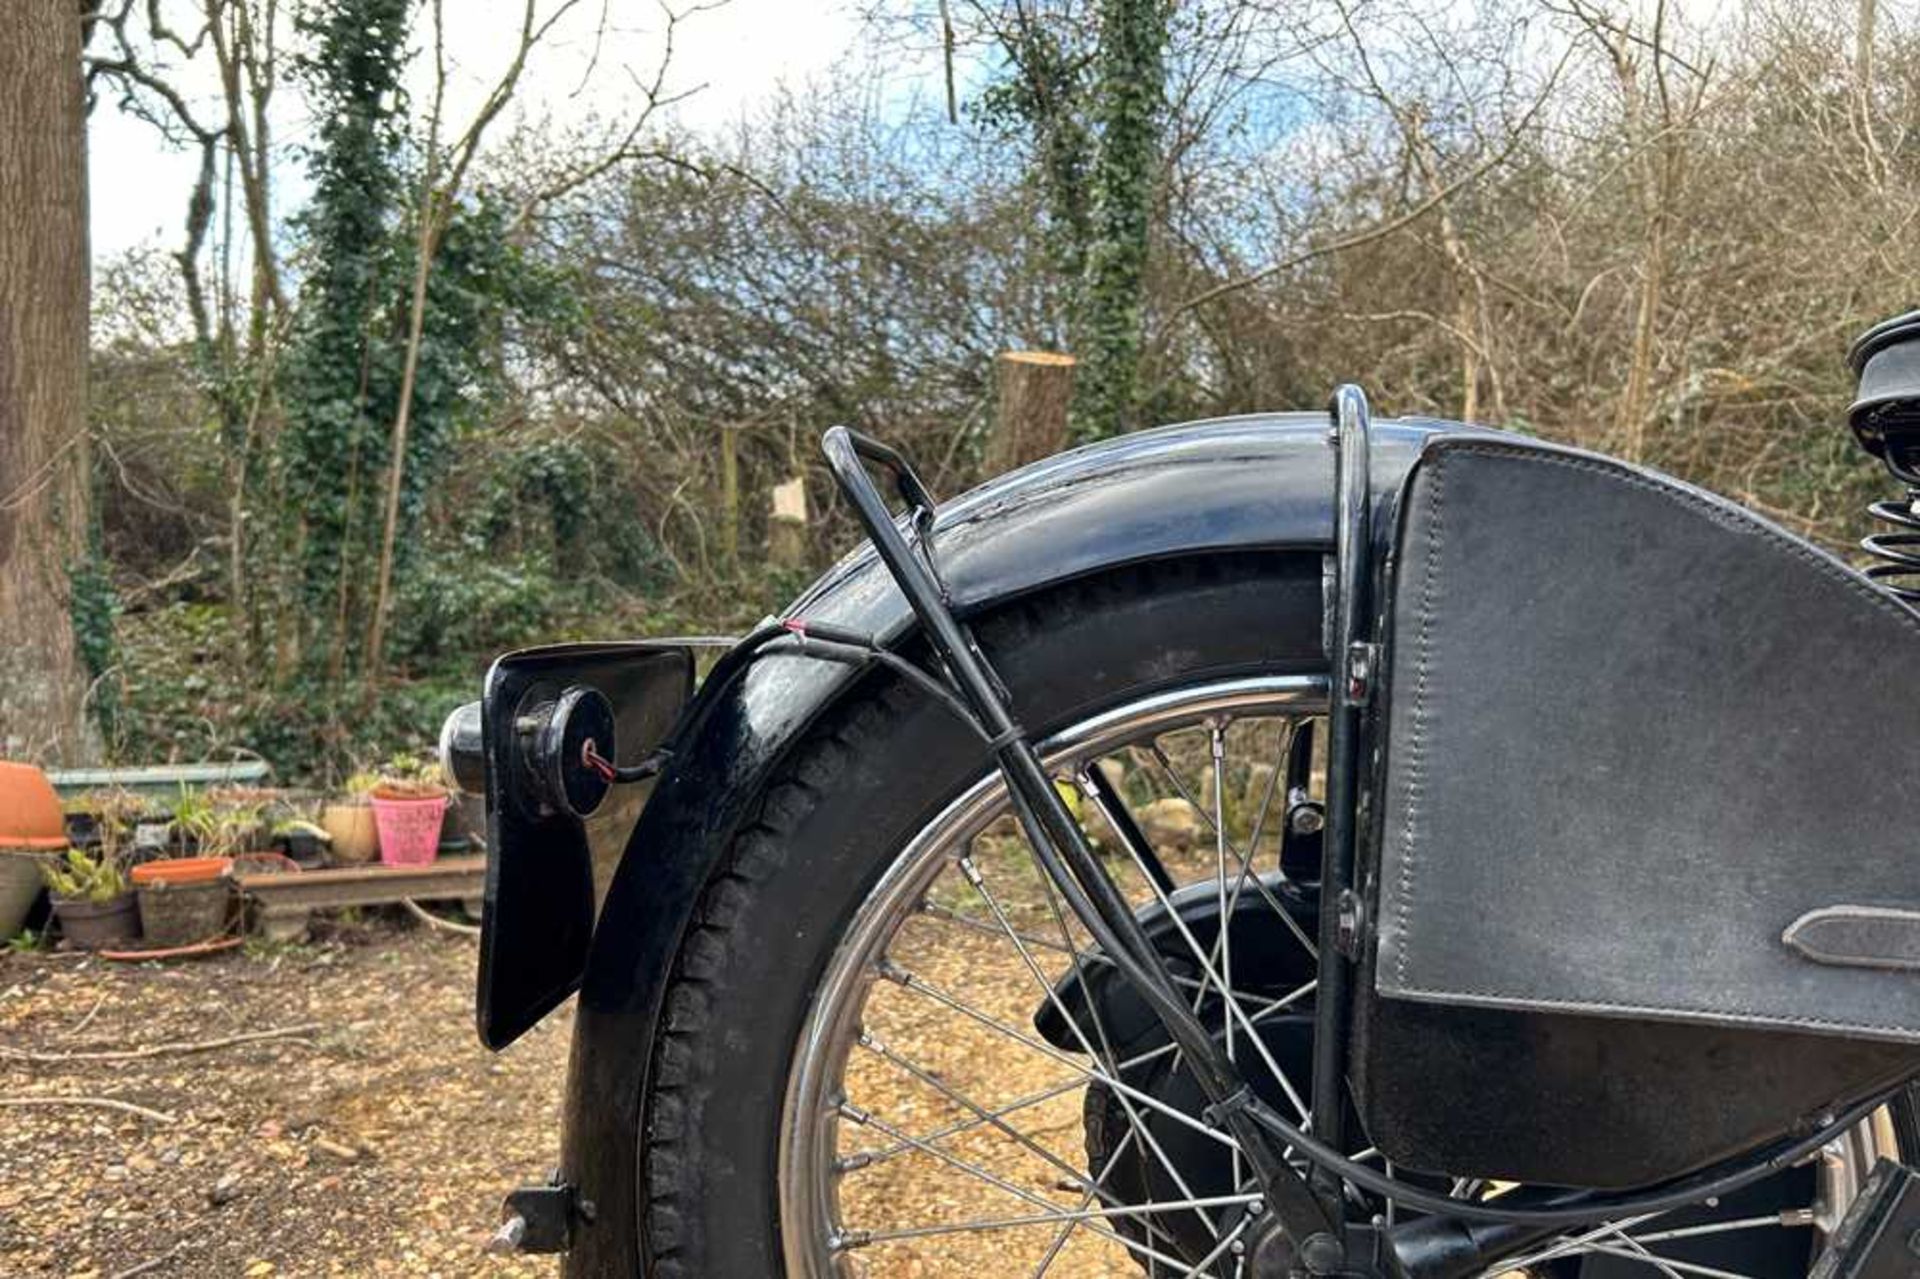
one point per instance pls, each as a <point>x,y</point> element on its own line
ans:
<point>787,524</point>
<point>1035,389</point>
<point>730,496</point>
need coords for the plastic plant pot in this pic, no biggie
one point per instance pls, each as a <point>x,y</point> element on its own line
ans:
<point>91,925</point>
<point>409,828</point>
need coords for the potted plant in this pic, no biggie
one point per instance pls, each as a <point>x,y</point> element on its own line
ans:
<point>349,823</point>
<point>89,816</point>
<point>193,813</point>
<point>91,898</point>
<point>409,804</point>
<point>31,831</point>
<point>186,899</point>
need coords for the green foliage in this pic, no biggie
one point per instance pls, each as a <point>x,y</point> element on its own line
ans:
<point>82,876</point>
<point>340,355</point>
<point>1128,107</point>
<point>1091,101</point>
<point>27,942</point>
<point>1043,96</point>
<point>344,373</point>
<point>94,607</point>
<point>219,824</point>
<point>464,599</point>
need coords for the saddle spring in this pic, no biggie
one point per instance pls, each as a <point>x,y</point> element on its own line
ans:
<point>1896,428</point>
<point>1897,549</point>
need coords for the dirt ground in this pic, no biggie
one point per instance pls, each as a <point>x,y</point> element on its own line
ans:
<point>377,1141</point>
<point>342,1118</point>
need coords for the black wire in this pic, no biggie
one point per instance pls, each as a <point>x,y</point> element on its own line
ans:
<point>857,650</point>
<point>1681,1194</point>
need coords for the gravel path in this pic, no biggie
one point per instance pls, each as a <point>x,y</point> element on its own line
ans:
<point>378,1143</point>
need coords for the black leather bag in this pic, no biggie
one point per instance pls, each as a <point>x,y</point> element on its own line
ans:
<point>1643,843</point>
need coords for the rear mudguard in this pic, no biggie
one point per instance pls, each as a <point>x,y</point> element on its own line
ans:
<point>1259,482</point>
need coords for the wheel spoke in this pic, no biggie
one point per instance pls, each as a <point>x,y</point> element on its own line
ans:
<point>1787,1219</point>
<point>867,1158</point>
<point>1086,1216</point>
<point>1233,1010</point>
<point>948,915</point>
<point>914,982</point>
<point>954,1095</point>
<point>1219,1249</point>
<point>1291,924</point>
<point>1090,1217</point>
<point>971,872</point>
<point>1066,1230</point>
<point>1667,1264</point>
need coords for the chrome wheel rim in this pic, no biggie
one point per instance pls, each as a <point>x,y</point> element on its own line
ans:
<point>818,1164</point>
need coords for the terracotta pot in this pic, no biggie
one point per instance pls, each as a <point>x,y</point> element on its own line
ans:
<point>30,814</point>
<point>183,900</point>
<point>356,839</point>
<point>181,871</point>
<point>96,925</point>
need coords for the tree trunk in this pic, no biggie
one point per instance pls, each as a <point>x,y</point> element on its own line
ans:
<point>1036,389</point>
<point>43,376</point>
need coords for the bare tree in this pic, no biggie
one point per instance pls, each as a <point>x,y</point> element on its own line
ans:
<point>442,180</point>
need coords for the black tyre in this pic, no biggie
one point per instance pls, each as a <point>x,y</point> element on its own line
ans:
<point>834,822</point>
<point>732,1094</point>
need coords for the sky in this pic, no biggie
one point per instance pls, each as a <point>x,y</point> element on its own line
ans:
<point>733,56</point>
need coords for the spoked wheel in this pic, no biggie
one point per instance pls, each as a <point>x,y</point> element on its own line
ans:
<point>886,980</point>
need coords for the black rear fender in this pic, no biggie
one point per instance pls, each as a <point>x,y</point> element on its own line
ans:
<point>1186,491</point>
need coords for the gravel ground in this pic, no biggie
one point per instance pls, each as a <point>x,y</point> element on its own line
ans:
<point>376,1142</point>
<point>347,1121</point>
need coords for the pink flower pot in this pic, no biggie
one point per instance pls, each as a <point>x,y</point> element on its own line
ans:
<point>409,828</point>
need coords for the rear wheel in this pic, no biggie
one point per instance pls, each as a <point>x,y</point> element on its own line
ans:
<point>869,1063</point>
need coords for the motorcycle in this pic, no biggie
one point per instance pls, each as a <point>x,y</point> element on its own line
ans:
<point>1295,844</point>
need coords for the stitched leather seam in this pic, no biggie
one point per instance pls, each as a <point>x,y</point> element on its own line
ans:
<point>1496,999</point>
<point>1732,518</point>
<point>1416,762</point>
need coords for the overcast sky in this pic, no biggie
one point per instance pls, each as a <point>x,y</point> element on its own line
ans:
<point>739,52</point>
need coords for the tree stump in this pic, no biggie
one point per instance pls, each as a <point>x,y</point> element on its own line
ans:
<point>1035,390</point>
<point>787,524</point>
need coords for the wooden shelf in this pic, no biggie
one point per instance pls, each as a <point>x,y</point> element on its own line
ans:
<point>284,900</point>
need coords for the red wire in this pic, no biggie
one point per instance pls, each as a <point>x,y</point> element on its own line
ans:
<point>594,760</point>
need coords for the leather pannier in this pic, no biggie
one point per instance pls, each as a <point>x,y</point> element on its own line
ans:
<point>1640,837</point>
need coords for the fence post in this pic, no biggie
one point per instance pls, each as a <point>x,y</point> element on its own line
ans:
<point>730,496</point>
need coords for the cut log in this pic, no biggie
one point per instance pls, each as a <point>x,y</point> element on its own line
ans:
<point>1035,390</point>
<point>787,524</point>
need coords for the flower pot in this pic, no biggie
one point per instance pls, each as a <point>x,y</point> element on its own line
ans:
<point>306,849</point>
<point>184,900</point>
<point>91,925</point>
<point>356,838</point>
<point>30,816</point>
<point>20,886</point>
<point>409,828</point>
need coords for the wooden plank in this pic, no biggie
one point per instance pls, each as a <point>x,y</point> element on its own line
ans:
<point>447,879</point>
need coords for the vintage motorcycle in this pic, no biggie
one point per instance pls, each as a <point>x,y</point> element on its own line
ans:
<point>1282,845</point>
